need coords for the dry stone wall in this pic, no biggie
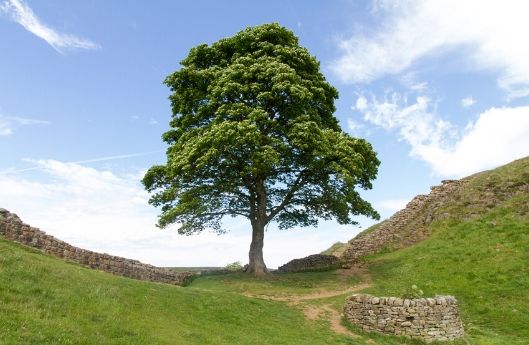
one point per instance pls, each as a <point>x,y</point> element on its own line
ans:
<point>425,318</point>
<point>407,226</point>
<point>12,228</point>
<point>316,262</point>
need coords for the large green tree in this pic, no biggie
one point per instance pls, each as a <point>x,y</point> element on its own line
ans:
<point>253,135</point>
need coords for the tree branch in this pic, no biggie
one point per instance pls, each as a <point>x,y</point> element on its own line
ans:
<point>225,212</point>
<point>295,187</point>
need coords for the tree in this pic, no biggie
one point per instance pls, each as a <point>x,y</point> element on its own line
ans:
<point>253,135</point>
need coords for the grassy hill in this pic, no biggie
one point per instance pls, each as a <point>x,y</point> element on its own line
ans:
<point>477,250</point>
<point>484,262</point>
<point>44,300</point>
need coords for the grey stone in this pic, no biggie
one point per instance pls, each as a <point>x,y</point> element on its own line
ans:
<point>12,228</point>
<point>431,319</point>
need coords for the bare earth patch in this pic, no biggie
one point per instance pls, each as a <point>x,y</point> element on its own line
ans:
<point>358,270</point>
<point>316,295</point>
<point>312,312</point>
<point>335,319</point>
<point>326,311</point>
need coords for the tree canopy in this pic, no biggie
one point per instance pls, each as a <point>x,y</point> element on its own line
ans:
<point>253,134</point>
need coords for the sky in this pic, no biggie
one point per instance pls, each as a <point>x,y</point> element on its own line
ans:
<point>440,89</point>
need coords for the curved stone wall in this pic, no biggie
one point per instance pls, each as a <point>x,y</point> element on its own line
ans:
<point>12,228</point>
<point>427,318</point>
<point>316,262</point>
<point>407,226</point>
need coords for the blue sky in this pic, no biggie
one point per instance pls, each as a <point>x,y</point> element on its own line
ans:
<point>440,88</point>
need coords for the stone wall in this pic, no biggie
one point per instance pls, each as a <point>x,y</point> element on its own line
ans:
<point>407,226</point>
<point>316,262</point>
<point>12,228</point>
<point>426,318</point>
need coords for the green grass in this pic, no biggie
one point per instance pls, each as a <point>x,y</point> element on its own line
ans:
<point>44,300</point>
<point>339,248</point>
<point>277,284</point>
<point>336,249</point>
<point>370,229</point>
<point>299,284</point>
<point>478,251</point>
<point>482,261</point>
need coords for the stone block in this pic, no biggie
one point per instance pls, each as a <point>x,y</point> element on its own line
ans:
<point>431,319</point>
<point>11,227</point>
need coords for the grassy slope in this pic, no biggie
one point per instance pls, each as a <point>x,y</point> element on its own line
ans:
<point>339,248</point>
<point>277,284</point>
<point>336,249</point>
<point>46,301</point>
<point>480,253</point>
<point>482,259</point>
<point>303,284</point>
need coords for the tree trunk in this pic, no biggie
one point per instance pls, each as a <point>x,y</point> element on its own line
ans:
<point>256,265</point>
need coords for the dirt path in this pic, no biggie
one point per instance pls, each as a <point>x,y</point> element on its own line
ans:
<point>326,311</point>
<point>316,295</point>
<point>360,271</point>
<point>330,314</point>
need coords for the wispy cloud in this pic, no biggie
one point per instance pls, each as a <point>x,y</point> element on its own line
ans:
<point>468,101</point>
<point>498,136</point>
<point>108,212</point>
<point>355,128</point>
<point>21,13</point>
<point>39,166</point>
<point>9,123</point>
<point>493,34</point>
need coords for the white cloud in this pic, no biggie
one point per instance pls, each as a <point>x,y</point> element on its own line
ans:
<point>102,211</point>
<point>9,123</point>
<point>414,121</point>
<point>152,122</point>
<point>468,101</point>
<point>499,136</point>
<point>354,127</point>
<point>93,160</point>
<point>21,13</point>
<point>409,80</point>
<point>5,129</point>
<point>493,33</point>
<point>361,103</point>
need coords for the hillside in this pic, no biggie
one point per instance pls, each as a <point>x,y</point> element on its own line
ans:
<point>472,243</point>
<point>44,300</point>
<point>456,200</point>
<point>469,239</point>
